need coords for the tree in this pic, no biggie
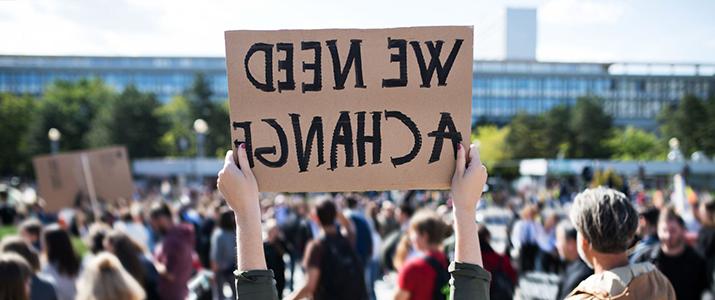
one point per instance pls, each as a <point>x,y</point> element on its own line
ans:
<point>556,133</point>
<point>133,120</point>
<point>690,121</point>
<point>16,113</point>
<point>70,107</point>
<point>178,138</point>
<point>526,137</point>
<point>214,113</point>
<point>591,128</point>
<point>492,144</point>
<point>636,144</point>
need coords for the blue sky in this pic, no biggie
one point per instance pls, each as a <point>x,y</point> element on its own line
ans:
<point>568,30</point>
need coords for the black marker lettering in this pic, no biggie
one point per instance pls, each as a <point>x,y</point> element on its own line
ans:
<point>375,139</point>
<point>303,153</point>
<point>317,84</point>
<point>267,49</point>
<point>282,140</point>
<point>435,62</point>
<point>287,65</point>
<point>400,57</point>
<point>396,161</point>
<point>445,130</point>
<point>353,57</point>
<point>246,126</point>
<point>342,135</point>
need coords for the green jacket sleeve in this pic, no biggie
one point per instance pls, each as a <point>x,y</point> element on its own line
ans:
<point>469,282</point>
<point>255,285</point>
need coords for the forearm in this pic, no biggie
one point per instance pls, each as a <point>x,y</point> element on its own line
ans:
<point>249,251</point>
<point>467,248</point>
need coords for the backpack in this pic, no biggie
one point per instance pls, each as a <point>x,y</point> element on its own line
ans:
<point>441,281</point>
<point>341,273</point>
<point>502,287</point>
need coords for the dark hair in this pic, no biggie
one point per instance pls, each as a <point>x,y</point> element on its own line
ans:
<point>326,210</point>
<point>407,209</point>
<point>95,237</point>
<point>15,244</point>
<point>351,201</point>
<point>160,209</point>
<point>59,251</point>
<point>14,275</point>
<point>650,215</point>
<point>128,252</point>
<point>668,214</point>
<point>31,226</point>
<point>428,223</point>
<point>227,219</point>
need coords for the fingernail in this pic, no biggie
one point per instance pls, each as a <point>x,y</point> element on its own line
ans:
<point>243,146</point>
<point>459,146</point>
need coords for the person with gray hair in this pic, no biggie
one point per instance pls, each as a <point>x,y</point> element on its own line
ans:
<point>606,222</point>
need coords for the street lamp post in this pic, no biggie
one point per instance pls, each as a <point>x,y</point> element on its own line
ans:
<point>54,135</point>
<point>201,129</point>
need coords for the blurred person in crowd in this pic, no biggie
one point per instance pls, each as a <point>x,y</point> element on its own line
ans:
<point>547,257</point>
<point>469,280</point>
<point>606,223</point>
<point>132,256</point>
<point>62,262</point>
<point>297,233</point>
<point>95,240</point>
<point>706,239</point>
<point>373,265</point>
<point>131,223</point>
<point>647,233</point>
<point>274,248</point>
<point>524,238</point>
<point>104,278</point>
<point>222,256</point>
<point>363,239</point>
<point>15,277</point>
<point>174,252</point>
<point>575,269</point>
<point>31,231</point>
<point>333,267</point>
<point>683,266</point>
<point>424,274</point>
<point>40,287</point>
<point>395,239</point>
<point>7,211</point>
<point>504,277</point>
<point>386,218</point>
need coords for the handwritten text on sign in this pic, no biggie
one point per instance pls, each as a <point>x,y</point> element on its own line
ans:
<point>350,109</point>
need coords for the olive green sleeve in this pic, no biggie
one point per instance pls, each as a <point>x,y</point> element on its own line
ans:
<point>468,282</point>
<point>255,285</point>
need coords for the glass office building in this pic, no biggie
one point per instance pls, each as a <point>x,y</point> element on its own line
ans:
<point>634,93</point>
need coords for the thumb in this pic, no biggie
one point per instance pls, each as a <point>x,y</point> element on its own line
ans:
<point>243,161</point>
<point>460,163</point>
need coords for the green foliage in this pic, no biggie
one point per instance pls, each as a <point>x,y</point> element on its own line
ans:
<point>527,137</point>
<point>691,121</point>
<point>16,113</point>
<point>492,144</point>
<point>214,113</point>
<point>636,144</point>
<point>591,128</point>
<point>607,178</point>
<point>177,114</point>
<point>71,108</point>
<point>133,120</point>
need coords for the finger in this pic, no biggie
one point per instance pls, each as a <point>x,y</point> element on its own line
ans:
<point>460,163</point>
<point>243,161</point>
<point>229,158</point>
<point>474,159</point>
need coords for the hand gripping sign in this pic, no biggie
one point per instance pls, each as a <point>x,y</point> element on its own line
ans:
<point>351,109</point>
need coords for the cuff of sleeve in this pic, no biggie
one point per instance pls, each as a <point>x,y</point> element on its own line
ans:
<point>469,270</point>
<point>254,276</point>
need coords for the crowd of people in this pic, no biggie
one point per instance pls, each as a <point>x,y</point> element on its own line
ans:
<point>232,242</point>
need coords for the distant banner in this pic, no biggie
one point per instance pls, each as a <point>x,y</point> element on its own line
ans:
<point>62,182</point>
<point>351,109</point>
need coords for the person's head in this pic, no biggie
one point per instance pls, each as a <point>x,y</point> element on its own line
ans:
<point>671,229</point>
<point>405,212</point>
<point>271,229</point>
<point>17,245</point>
<point>427,230</point>
<point>706,212</point>
<point>226,219</point>
<point>566,241</point>
<point>326,212</point>
<point>95,237</point>
<point>161,217</point>
<point>529,212</point>
<point>485,237</point>
<point>15,274</point>
<point>606,222</point>
<point>647,221</point>
<point>59,251</point>
<point>352,202</point>
<point>104,278</point>
<point>31,231</point>
<point>127,251</point>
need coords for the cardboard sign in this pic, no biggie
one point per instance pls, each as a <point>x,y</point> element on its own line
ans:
<point>62,182</point>
<point>351,109</point>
